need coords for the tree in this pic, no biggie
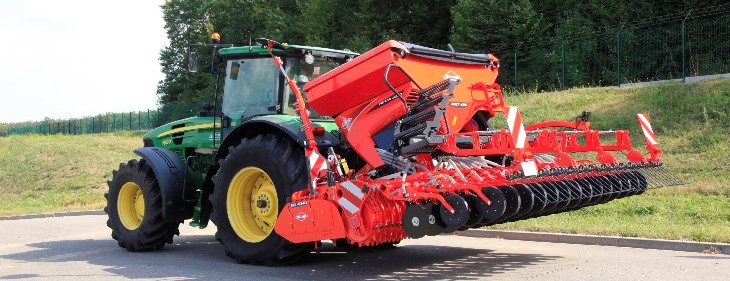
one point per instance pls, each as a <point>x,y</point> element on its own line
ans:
<point>495,24</point>
<point>186,23</point>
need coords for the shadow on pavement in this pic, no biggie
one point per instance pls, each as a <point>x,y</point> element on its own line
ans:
<point>201,257</point>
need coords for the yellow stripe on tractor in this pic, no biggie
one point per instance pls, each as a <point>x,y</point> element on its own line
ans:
<point>188,128</point>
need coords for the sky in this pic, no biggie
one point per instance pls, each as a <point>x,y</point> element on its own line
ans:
<point>76,58</point>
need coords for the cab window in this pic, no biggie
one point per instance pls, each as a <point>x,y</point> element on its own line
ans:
<point>251,88</point>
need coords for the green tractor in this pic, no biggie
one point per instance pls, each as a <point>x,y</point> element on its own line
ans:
<point>236,168</point>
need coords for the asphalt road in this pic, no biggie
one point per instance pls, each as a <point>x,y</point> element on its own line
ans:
<point>80,248</point>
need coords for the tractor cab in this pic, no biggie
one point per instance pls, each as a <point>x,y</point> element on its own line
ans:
<point>253,85</point>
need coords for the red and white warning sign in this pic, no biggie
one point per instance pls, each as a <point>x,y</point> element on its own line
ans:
<point>316,163</point>
<point>351,199</point>
<point>646,128</point>
<point>514,121</point>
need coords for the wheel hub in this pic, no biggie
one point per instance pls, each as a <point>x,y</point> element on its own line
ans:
<point>130,205</point>
<point>252,204</point>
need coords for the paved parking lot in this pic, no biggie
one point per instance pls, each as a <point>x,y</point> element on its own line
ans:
<point>80,248</point>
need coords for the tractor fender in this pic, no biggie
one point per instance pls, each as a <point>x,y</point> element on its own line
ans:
<point>178,196</point>
<point>271,125</point>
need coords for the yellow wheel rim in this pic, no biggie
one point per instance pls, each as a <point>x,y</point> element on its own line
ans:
<point>130,205</point>
<point>252,204</point>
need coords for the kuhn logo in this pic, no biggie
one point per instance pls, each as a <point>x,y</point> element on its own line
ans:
<point>347,123</point>
<point>451,76</point>
<point>301,216</point>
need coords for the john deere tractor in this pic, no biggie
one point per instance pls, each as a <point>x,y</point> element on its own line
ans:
<point>237,168</point>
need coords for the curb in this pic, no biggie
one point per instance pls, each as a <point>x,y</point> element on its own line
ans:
<point>616,241</point>
<point>57,214</point>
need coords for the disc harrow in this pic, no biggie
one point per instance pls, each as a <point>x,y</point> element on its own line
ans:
<point>434,163</point>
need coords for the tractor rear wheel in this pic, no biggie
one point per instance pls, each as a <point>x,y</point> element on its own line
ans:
<point>251,188</point>
<point>134,207</point>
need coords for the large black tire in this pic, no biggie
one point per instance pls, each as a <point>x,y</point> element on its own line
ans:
<point>283,164</point>
<point>150,232</point>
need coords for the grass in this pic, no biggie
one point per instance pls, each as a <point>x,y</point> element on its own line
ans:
<point>53,173</point>
<point>691,123</point>
<point>59,172</point>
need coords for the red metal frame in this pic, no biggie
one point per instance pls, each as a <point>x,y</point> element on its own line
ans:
<point>370,209</point>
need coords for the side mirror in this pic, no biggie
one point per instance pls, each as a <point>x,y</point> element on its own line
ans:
<point>193,62</point>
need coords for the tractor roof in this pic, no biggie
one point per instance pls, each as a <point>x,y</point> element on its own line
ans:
<point>258,50</point>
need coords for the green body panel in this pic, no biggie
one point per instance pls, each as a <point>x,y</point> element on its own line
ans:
<point>328,124</point>
<point>197,132</point>
<point>189,137</point>
<point>244,50</point>
<point>193,132</point>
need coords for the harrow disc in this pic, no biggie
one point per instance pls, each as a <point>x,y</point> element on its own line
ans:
<point>415,220</point>
<point>585,191</point>
<point>540,199</point>
<point>613,184</point>
<point>474,216</point>
<point>460,215</point>
<point>512,201</point>
<point>598,187</point>
<point>552,196</point>
<point>643,182</point>
<point>563,196</point>
<point>575,194</point>
<point>434,226</point>
<point>498,207</point>
<point>527,200</point>
<point>630,186</point>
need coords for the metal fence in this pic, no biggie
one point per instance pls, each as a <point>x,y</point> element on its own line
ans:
<point>102,123</point>
<point>695,43</point>
<point>109,122</point>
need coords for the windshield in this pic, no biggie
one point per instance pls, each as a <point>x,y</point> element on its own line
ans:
<point>252,85</point>
<point>302,72</point>
<point>250,88</point>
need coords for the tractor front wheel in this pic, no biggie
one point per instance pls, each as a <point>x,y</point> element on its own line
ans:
<point>134,207</point>
<point>251,188</point>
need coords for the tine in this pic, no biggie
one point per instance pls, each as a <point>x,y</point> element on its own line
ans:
<point>671,179</point>
<point>661,178</point>
<point>662,175</point>
<point>668,178</point>
<point>643,171</point>
<point>661,181</point>
<point>674,179</point>
<point>646,171</point>
<point>652,175</point>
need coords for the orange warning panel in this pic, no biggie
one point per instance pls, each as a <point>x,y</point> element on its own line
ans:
<point>310,220</point>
